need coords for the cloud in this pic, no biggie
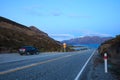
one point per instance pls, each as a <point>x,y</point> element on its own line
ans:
<point>37,10</point>
<point>33,7</point>
<point>61,37</point>
<point>56,13</point>
<point>90,33</point>
<point>33,10</point>
<point>38,13</point>
<point>78,16</point>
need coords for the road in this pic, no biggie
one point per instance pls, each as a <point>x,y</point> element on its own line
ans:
<point>48,66</point>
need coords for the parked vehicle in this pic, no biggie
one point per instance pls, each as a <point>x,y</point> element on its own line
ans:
<point>28,50</point>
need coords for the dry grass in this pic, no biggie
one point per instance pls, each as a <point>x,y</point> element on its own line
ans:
<point>13,36</point>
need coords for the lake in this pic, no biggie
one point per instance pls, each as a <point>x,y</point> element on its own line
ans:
<point>88,45</point>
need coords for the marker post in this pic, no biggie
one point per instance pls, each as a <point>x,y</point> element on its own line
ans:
<point>105,62</point>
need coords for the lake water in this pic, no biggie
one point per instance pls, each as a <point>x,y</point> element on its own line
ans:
<point>89,45</point>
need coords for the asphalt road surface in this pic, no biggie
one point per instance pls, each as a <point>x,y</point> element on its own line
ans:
<point>48,66</point>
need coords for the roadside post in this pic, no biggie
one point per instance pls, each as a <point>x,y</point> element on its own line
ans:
<point>105,62</point>
<point>64,47</point>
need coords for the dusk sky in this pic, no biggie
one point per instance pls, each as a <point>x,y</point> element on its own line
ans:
<point>66,19</point>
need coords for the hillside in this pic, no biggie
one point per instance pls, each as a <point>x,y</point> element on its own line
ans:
<point>112,48</point>
<point>14,35</point>
<point>87,40</point>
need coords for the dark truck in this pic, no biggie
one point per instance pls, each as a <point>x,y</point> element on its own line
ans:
<point>28,50</point>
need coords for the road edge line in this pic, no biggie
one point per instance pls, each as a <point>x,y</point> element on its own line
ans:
<point>80,72</point>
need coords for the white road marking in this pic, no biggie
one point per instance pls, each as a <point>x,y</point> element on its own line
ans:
<point>80,72</point>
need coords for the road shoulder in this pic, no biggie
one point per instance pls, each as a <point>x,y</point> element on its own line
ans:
<point>96,71</point>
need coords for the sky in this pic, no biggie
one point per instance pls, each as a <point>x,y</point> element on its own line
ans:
<point>66,19</point>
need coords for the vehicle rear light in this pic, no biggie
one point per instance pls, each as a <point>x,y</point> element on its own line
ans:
<point>22,49</point>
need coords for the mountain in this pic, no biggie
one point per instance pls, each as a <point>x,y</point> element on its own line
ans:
<point>87,40</point>
<point>14,35</point>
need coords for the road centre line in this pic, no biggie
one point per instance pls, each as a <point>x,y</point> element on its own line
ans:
<point>34,64</point>
<point>80,72</point>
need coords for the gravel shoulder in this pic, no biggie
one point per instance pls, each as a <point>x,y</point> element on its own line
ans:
<point>97,70</point>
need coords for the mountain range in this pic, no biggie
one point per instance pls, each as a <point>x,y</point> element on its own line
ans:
<point>87,40</point>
